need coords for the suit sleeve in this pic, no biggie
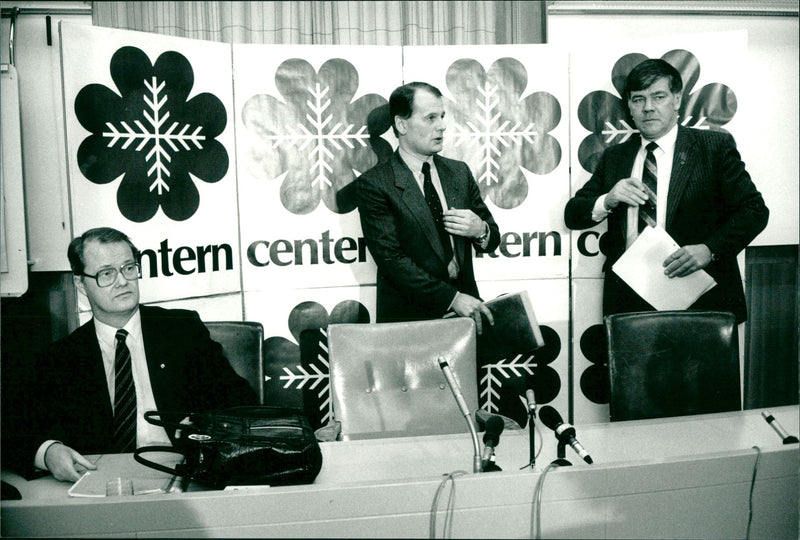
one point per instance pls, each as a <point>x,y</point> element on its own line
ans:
<point>383,234</point>
<point>578,211</point>
<point>745,214</point>
<point>483,212</point>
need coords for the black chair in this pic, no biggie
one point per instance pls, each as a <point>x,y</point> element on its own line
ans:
<point>672,363</point>
<point>243,344</point>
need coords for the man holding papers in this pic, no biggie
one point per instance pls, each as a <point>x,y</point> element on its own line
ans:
<point>690,182</point>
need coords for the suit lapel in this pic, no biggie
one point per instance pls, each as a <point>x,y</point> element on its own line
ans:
<point>452,194</point>
<point>89,349</point>
<point>681,171</point>
<point>414,200</point>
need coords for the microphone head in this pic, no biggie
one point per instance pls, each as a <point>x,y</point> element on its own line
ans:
<point>494,427</point>
<point>550,417</point>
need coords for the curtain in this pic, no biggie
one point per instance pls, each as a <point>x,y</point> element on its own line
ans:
<point>334,22</point>
<point>771,348</point>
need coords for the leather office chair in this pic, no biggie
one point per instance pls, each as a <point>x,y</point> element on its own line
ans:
<point>243,344</point>
<point>672,363</point>
<point>386,380</point>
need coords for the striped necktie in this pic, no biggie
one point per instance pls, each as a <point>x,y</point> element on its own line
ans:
<point>647,211</point>
<point>124,398</point>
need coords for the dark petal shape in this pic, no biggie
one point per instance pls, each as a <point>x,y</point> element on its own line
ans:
<point>510,75</point>
<point>130,67</point>
<point>341,79</point>
<point>295,78</point>
<point>182,200</point>
<point>621,69</point>
<point>209,164</point>
<point>716,102</point>
<point>552,346</point>
<point>594,344</point>
<point>205,110</point>
<point>546,384</point>
<point>599,107</point>
<point>346,199</point>
<point>306,315</point>
<point>595,385</point>
<point>589,152</point>
<point>687,65</point>
<point>349,311</point>
<point>175,70</point>
<point>95,105</point>
<point>463,78</point>
<point>134,199</point>
<point>98,163</point>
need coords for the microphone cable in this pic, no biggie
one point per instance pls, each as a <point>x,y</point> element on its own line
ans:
<point>539,451</point>
<point>752,487</point>
<point>447,529</point>
<point>536,508</point>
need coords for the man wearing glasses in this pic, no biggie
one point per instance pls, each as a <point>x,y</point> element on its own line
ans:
<point>94,386</point>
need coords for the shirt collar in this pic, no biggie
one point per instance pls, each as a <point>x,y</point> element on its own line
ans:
<point>414,161</point>
<point>667,141</point>
<point>107,335</point>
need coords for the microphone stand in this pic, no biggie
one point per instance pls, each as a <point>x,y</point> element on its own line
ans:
<point>561,453</point>
<point>531,437</point>
<point>462,405</point>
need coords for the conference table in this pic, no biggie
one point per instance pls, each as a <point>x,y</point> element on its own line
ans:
<point>706,476</point>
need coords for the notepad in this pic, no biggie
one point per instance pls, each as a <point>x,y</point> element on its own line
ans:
<point>110,466</point>
<point>641,267</point>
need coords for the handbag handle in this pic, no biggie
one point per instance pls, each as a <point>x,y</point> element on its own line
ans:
<point>177,471</point>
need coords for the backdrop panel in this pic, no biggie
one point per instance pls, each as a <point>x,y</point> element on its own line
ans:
<point>506,117</point>
<point>150,142</point>
<point>311,120</point>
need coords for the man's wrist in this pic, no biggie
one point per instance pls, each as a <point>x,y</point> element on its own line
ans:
<point>482,238</point>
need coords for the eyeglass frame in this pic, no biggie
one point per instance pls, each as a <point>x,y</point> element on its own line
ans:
<point>117,272</point>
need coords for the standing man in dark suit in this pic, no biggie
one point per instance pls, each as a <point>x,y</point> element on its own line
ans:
<point>704,199</point>
<point>94,386</point>
<point>422,214</point>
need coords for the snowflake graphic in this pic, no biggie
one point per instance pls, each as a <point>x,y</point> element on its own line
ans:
<point>151,136</point>
<point>501,382</point>
<point>607,117</point>
<point>496,132</point>
<point>297,373</point>
<point>317,136</point>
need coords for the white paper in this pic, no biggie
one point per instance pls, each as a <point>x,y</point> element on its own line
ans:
<point>641,267</point>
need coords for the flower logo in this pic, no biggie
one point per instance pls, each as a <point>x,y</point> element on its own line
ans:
<point>149,135</point>
<point>594,380</point>
<point>297,373</point>
<point>317,137</point>
<point>496,132</point>
<point>606,115</point>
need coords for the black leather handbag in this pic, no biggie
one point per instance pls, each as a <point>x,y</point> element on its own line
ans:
<point>253,445</point>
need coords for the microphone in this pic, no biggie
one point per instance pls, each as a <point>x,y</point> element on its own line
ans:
<point>530,397</point>
<point>462,406</point>
<point>772,421</point>
<point>565,433</point>
<point>494,427</point>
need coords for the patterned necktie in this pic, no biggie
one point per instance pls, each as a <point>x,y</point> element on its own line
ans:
<point>435,206</point>
<point>124,398</point>
<point>647,211</point>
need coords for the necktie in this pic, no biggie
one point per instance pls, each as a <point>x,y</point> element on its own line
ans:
<point>435,206</point>
<point>647,211</point>
<point>124,398</point>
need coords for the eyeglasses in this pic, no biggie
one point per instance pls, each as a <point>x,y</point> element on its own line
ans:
<point>107,276</point>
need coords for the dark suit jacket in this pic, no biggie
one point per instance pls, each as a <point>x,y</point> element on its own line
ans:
<point>71,403</point>
<point>412,281</point>
<point>711,201</point>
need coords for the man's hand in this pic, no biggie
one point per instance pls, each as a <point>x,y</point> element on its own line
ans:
<point>61,460</point>
<point>463,223</point>
<point>468,306</point>
<point>687,260</point>
<point>629,191</point>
